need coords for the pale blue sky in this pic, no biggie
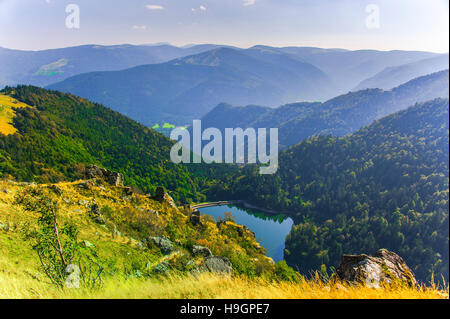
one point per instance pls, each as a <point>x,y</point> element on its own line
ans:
<point>404,24</point>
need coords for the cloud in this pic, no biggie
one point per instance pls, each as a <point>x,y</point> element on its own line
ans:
<point>249,2</point>
<point>203,8</point>
<point>154,7</point>
<point>139,27</point>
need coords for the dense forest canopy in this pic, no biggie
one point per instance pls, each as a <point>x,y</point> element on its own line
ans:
<point>62,132</point>
<point>338,116</point>
<point>383,186</point>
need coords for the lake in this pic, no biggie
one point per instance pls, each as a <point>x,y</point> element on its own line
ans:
<point>270,230</point>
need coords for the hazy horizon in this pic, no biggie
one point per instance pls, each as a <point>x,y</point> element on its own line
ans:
<point>413,25</point>
<point>219,44</point>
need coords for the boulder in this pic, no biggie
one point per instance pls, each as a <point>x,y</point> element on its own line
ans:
<point>163,197</point>
<point>195,217</point>
<point>383,268</point>
<point>96,216</point>
<point>86,185</point>
<point>163,243</point>
<point>218,265</point>
<point>112,178</point>
<point>201,251</point>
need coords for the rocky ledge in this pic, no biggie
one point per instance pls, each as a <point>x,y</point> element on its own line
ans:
<point>381,269</point>
<point>112,178</point>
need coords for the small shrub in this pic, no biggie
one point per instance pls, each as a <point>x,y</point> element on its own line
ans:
<point>57,246</point>
<point>285,273</point>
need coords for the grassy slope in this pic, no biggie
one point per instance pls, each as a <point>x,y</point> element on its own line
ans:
<point>7,113</point>
<point>20,275</point>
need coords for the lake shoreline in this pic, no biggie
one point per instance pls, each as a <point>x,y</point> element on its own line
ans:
<point>242,203</point>
<point>270,227</point>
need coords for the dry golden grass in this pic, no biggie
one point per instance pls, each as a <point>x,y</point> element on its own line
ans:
<point>7,114</point>
<point>206,286</point>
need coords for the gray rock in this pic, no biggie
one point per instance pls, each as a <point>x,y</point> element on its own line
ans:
<point>195,217</point>
<point>219,265</point>
<point>86,185</point>
<point>95,215</point>
<point>73,278</point>
<point>163,197</point>
<point>112,178</point>
<point>383,268</point>
<point>201,251</point>
<point>163,243</point>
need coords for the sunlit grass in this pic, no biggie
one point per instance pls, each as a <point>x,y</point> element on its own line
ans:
<point>20,276</point>
<point>7,114</point>
<point>207,286</point>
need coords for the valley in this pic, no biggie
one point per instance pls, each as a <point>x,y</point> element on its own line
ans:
<point>357,171</point>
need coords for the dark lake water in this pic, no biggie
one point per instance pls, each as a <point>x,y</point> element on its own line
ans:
<point>270,230</point>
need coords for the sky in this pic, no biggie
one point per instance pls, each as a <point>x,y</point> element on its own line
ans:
<point>350,24</point>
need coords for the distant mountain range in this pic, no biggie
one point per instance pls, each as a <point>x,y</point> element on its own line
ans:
<point>339,116</point>
<point>44,67</point>
<point>159,83</point>
<point>349,68</point>
<point>394,76</point>
<point>189,87</point>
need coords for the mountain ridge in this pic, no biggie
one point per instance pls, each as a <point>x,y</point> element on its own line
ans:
<point>339,116</point>
<point>190,86</point>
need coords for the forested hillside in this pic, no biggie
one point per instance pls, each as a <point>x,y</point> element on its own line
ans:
<point>60,133</point>
<point>394,76</point>
<point>187,88</point>
<point>339,116</point>
<point>383,186</point>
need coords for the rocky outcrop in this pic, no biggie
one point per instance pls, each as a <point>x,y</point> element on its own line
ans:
<point>96,215</point>
<point>383,268</point>
<point>163,243</point>
<point>201,251</point>
<point>163,197</point>
<point>112,178</point>
<point>219,265</point>
<point>195,217</point>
